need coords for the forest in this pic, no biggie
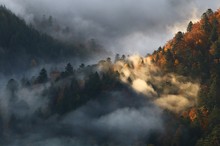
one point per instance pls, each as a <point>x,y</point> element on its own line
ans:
<point>23,47</point>
<point>167,98</point>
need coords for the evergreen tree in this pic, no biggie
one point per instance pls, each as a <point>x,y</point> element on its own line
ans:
<point>82,65</point>
<point>12,88</point>
<point>68,69</point>
<point>109,60</point>
<point>117,57</point>
<point>179,36</point>
<point>123,57</point>
<point>189,27</point>
<point>42,78</point>
<point>205,25</point>
<point>214,33</point>
<point>209,12</point>
<point>169,59</point>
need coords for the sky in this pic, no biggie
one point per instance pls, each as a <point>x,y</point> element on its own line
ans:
<point>121,26</point>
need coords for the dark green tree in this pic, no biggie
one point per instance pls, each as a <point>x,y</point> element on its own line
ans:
<point>205,24</point>
<point>189,27</point>
<point>93,84</point>
<point>109,60</point>
<point>209,12</point>
<point>68,69</point>
<point>82,65</point>
<point>170,60</point>
<point>179,36</point>
<point>117,57</point>
<point>123,57</point>
<point>42,78</point>
<point>12,88</point>
<point>214,33</point>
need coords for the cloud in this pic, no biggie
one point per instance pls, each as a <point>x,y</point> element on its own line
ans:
<point>167,90</point>
<point>115,117</point>
<point>175,103</point>
<point>115,121</point>
<point>138,26</point>
<point>110,119</point>
<point>142,87</point>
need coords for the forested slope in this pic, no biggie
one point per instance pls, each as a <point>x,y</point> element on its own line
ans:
<point>196,54</point>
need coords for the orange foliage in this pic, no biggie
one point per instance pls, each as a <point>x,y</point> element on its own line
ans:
<point>196,39</point>
<point>168,45</point>
<point>176,62</point>
<point>192,114</point>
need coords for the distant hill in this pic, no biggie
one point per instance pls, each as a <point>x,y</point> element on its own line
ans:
<point>22,46</point>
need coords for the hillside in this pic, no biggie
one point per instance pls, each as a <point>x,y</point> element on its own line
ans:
<point>169,98</point>
<point>196,54</point>
<point>23,47</point>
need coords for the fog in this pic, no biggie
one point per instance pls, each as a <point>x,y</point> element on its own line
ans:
<point>121,117</point>
<point>110,119</point>
<point>168,91</point>
<point>124,26</point>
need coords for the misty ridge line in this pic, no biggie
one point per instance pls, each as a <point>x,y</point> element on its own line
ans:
<point>24,47</point>
<point>169,91</point>
<point>154,91</point>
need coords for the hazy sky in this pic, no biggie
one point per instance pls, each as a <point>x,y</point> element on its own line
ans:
<point>124,26</point>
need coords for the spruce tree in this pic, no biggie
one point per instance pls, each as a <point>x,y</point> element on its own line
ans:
<point>42,78</point>
<point>189,27</point>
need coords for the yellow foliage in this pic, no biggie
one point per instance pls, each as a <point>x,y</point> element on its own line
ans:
<point>176,62</point>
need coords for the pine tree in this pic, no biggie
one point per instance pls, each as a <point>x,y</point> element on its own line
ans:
<point>12,88</point>
<point>205,25</point>
<point>42,78</point>
<point>68,69</point>
<point>209,12</point>
<point>189,27</point>
<point>214,33</point>
<point>179,36</point>
<point>169,59</point>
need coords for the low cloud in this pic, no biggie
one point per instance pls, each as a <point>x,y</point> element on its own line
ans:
<point>169,91</point>
<point>121,26</point>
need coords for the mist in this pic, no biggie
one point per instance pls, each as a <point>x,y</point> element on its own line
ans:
<point>120,26</point>
<point>169,91</point>
<point>125,115</point>
<point>110,119</point>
